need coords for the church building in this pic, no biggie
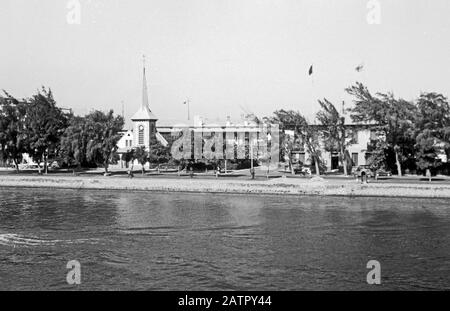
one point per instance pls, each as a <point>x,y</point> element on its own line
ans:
<point>144,132</point>
<point>144,121</point>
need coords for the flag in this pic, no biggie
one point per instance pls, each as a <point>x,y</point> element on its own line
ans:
<point>311,70</point>
<point>359,68</point>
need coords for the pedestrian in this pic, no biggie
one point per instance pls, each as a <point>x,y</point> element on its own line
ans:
<point>428,174</point>
<point>217,170</point>
<point>130,173</point>
<point>363,178</point>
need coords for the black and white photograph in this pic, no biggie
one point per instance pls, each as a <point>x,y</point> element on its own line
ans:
<point>226,146</point>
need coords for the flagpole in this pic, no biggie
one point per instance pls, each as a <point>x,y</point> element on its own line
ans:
<point>311,72</point>
<point>189,110</point>
<point>187,102</point>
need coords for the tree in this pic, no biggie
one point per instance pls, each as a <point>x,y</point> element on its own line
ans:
<point>44,125</point>
<point>286,120</point>
<point>377,158</point>
<point>103,129</point>
<point>141,154</point>
<point>394,117</point>
<point>12,140</point>
<point>336,134</point>
<point>310,137</point>
<point>427,153</point>
<point>432,129</point>
<point>304,133</point>
<point>130,156</point>
<point>74,142</point>
<point>158,153</point>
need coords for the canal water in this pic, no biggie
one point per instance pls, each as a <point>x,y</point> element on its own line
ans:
<point>178,241</point>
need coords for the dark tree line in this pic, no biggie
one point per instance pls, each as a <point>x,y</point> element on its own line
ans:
<point>409,135</point>
<point>413,133</point>
<point>36,126</point>
<point>157,154</point>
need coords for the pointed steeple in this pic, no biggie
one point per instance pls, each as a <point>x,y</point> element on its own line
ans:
<point>144,88</point>
<point>144,112</point>
<point>144,92</point>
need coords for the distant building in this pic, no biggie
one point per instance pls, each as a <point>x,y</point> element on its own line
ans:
<point>357,148</point>
<point>147,129</point>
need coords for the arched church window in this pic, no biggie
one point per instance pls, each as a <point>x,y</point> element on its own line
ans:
<point>141,135</point>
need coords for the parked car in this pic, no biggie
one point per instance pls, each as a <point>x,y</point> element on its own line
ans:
<point>363,170</point>
<point>382,172</point>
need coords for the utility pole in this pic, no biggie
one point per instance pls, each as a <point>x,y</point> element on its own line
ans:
<point>252,169</point>
<point>251,155</point>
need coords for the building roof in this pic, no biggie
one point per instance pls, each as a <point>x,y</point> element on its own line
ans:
<point>199,121</point>
<point>144,113</point>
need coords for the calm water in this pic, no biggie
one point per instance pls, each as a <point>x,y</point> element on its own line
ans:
<point>157,241</point>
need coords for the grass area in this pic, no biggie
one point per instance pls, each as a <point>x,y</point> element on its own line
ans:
<point>240,174</point>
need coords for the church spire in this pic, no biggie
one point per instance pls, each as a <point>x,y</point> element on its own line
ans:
<point>144,112</point>
<point>144,88</point>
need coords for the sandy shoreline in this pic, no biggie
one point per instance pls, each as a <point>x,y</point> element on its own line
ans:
<point>280,186</point>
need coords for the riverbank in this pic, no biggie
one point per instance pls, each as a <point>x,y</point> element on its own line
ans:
<point>278,186</point>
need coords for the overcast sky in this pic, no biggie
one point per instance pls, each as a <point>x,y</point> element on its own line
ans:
<point>222,54</point>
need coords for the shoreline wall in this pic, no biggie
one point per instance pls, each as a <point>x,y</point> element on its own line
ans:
<point>281,186</point>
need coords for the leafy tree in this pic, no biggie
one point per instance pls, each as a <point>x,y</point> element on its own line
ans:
<point>287,121</point>
<point>158,153</point>
<point>74,142</point>
<point>377,158</point>
<point>336,134</point>
<point>394,117</point>
<point>305,134</point>
<point>129,157</point>
<point>12,140</point>
<point>427,153</point>
<point>433,129</point>
<point>44,125</point>
<point>141,154</point>
<point>311,137</point>
<point>104,131</point>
